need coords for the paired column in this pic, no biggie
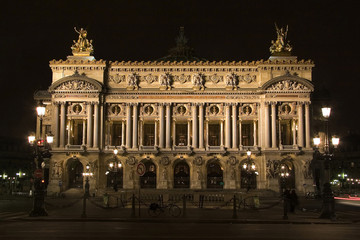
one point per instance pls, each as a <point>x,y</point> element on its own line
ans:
<point>301,125</point>
<point>227,126</point>
<point>128,125</point>
<point>168,126</point>
<point>201,125</point>
<point>122,133</point>
<point>234,126</point>
<point>194,126</point>
<point>266,118</point>
<point>273,124</point>
<point>222,133</point>
<point>89,125</point>
<point>307,125</point>
<point>255,132</point>
<point>62,124</point>
<point>188,133</point>
<point>162,126</point>
<point>135,127</point>
<point>57,125</point>
<point>156,134</point>
<point>96,125</point>
<point>84,133</point>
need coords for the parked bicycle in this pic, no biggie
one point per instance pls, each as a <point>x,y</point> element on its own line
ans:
<point>156,209</point>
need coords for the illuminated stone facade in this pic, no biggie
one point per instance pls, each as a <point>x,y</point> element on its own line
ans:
<point>190,122</point>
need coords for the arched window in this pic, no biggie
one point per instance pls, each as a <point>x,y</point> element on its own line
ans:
<point>286,175</point>
<point>148,180</point>
<point>181,175</point>
<point>214,175</point>
<point>75,170</point>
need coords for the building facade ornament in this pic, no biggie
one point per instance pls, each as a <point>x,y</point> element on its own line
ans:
<point>165,161</point>
<point>82,47</point>
<point>198,161</point>
<point>198,81</point>
<point>165,81</point>
<point>117,78</point>
<point>287,85</point>
<point>76,85</point>
<point>247,78</point>
<point>132,81</point>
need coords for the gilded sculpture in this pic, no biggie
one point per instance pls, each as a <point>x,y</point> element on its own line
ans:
<point>82,47</point>
<point>281,45</point>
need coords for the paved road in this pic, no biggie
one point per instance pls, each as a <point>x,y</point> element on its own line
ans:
<point>126,230</point>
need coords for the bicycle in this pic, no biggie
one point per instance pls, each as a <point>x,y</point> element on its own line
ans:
<point>155,210</point>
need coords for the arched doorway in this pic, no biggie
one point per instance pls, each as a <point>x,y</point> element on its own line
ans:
<point>114,177</point>
<point>248,174</point>
<point>214,175</point>
<point>181,175</point>
<point>75,170</point>
<point>286,174</point>
<point>148,180</point>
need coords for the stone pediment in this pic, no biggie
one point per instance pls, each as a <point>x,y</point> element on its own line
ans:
<point>288,82</point>
<point>76,83</point>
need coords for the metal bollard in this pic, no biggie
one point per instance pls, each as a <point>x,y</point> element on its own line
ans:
<point>133,206</point>
<point>234,208</point>
<point>184,206</point>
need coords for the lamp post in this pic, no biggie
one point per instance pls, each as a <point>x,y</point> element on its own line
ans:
<point>284,174</point>
<point>86,174</point>
<point>250,169</point>
<point>114,168</point>
<point>40,148</point>
<point>327,194</point>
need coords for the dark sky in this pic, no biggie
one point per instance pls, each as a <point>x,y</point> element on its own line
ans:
<point>35,32</point>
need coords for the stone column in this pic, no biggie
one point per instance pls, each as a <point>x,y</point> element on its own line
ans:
<point>70,129</point>
<point>255,133</point>
<point>84,133</point>
<point>201,125</point>
<point>189,133</point>
<point>227,126</point>
<point>301,125</point>
<point>128,126</point>
<point>122,133</point>
<point>57,125</point>
<point>156,134</point>
<point>168,126</point>
<point>135,127</point>
<point>307,125</point>
<point>62,124</point>
<point>96,125</point>
<point>273,124</point>
<point>234,126</point>
<point>89,125</point>
<point>222,133</point>
<point>141,133</point>
<point>207,133</point>
<point>294,131</point>
<point>162,126</point>
<point>266,119</point>
<point>240,135</point>
<point>195,126</point>
<point>102,126</point>
<point>173,133</point>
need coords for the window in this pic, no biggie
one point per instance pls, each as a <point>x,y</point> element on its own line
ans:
<point>116,134</point>
<point>286,132</point>
<point>247,134</point>
<point>214,134</point>
<point>181,134</point>
<point>149,134</point>
<point>75,129</point>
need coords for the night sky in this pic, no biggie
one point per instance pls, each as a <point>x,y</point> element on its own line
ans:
<point>35,32</point>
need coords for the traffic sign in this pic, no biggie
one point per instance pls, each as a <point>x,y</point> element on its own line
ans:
<point>38,173</point>
<point>140,169</point>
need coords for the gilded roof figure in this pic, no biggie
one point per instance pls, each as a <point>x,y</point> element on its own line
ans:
<point>83,46</point>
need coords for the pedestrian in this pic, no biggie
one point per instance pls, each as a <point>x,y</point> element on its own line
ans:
<point>293,200</point>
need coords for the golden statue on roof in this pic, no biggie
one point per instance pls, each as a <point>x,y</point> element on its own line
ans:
<point>82,47</point>
<point>281,46</point>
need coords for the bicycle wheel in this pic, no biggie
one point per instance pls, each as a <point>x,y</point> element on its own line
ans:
<point>174,211</point>
<point>154,212</point>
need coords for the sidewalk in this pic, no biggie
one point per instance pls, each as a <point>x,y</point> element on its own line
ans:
<point>271,212</point>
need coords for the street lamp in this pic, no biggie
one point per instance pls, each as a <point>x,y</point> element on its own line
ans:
<point>86,174</point>
<point>114,168</point>
<point>249,168</point>
<point>40,150</point>
<point>328,197</point>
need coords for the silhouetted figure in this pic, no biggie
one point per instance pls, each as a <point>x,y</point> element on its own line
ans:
<point>293,200</point>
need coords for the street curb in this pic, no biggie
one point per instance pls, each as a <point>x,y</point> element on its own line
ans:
<point>181,220</point>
